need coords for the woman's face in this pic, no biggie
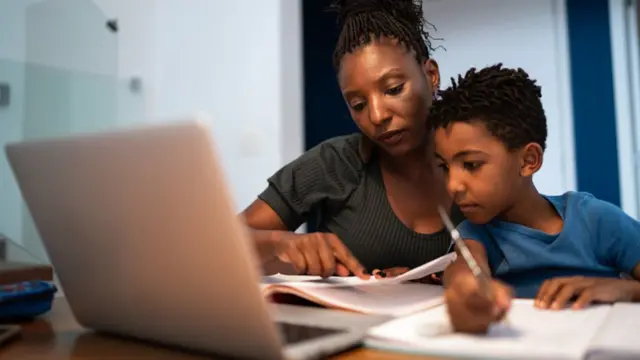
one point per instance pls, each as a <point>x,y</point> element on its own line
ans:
<point>389,94</point>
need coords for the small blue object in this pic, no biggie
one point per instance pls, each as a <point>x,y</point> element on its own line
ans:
<point>25,300</point>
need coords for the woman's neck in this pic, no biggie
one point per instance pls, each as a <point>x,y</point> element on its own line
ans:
<point>416,165</point>
<point>534,211</point>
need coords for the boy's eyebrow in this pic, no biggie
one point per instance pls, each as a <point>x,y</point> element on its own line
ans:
<point>464,153</point>
<point>460,154</point>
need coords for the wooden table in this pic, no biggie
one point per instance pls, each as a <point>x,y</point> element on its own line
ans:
<point>12,272</point>
<point>57,335</point>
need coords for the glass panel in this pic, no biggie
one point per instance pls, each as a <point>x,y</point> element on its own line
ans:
<point>61,68</point>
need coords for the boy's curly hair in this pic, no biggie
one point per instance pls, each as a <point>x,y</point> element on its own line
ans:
<point>505,100</point>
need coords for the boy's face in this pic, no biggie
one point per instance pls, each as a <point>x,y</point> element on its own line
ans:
<point>483,177</point>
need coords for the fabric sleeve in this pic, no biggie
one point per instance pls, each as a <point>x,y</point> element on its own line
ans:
<point>479,233</point>
<point>617,234</point>
<point>329,172</point>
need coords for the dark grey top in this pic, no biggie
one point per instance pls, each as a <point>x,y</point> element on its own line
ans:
<point>342,184</point>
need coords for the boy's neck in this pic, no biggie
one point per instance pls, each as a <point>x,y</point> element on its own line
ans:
<point>534,211</point>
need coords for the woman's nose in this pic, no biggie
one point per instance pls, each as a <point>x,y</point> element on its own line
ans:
<point>378,112</point>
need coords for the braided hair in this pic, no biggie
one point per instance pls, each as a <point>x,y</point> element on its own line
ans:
<point>363,21</point>
<point>505,100</point>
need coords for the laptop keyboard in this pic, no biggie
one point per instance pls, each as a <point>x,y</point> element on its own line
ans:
<point>294,333</point>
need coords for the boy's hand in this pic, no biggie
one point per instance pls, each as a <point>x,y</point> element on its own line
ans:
<point>556,293</point>
<point>469,310</point>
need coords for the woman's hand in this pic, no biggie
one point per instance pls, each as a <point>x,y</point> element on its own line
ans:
<point>434,279</point>
<point>556,293</point>
<point>321,254</point>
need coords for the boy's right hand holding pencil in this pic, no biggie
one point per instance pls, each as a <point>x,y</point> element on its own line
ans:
<point>474,300</point>
<point>470,309</point>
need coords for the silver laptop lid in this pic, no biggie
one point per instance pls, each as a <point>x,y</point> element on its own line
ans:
<point>141,230</point>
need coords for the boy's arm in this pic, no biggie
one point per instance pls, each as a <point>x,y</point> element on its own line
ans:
<point>460,266</point>
<point>636,275</point>
<point>468,308</point>
<point>616,242</point>
<point>618,237</point>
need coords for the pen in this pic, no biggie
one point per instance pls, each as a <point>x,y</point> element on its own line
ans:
<point>484,280</point>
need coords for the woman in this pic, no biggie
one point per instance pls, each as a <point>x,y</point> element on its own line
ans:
<point>377,192</point>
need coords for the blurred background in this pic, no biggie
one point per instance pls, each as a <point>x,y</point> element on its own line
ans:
<point>261,70</point>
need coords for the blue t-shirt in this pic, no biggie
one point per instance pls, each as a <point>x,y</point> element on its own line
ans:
<point>597,239</point>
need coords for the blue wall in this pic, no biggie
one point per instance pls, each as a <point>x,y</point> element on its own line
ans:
<point>594,113</point>
<point>325,112</point>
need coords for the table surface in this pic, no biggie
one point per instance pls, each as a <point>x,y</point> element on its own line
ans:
<point>57,335</point>
<point>12,272</point>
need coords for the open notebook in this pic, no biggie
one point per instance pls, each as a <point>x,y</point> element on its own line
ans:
<point>394,297</point>
<point>598,332</point>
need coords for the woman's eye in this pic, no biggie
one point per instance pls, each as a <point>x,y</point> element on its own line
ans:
<point>357,107</point>
<point>395,90</point>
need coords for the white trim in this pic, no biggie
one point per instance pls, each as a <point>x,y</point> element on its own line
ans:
<point>563,84</point>
<point>623,95</point>
<point>291,87</point>
<point>633,47</point>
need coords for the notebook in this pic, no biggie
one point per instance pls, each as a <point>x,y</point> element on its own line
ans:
<point>393,297</point>
<point>598,332</point>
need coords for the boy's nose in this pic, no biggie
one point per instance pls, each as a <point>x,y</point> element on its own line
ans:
<point>455,187</point>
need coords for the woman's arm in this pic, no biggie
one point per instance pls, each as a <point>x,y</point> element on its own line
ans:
<point>317,254</point>
<point>327,173</point>
<point>266,229</point>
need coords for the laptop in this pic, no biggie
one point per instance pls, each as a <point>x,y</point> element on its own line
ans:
<point>142,232</point>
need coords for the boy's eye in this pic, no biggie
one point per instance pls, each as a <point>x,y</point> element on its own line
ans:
<point>472,165</point>
<point>395,90</point>
<point>444,167</point>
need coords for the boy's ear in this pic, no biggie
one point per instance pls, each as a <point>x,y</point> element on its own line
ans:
<point>530,159</point>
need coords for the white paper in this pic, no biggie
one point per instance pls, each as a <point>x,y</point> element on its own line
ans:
<point>417,273</point>
<point>379,299</point>
<point>429,268</point>
<point>617,337</point>
<point>528,333</point>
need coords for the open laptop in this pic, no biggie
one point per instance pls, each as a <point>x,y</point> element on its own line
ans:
<point>142,232</point>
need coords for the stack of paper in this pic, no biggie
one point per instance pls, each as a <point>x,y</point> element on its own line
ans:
<point>527,333</point>
<point>393,296</point>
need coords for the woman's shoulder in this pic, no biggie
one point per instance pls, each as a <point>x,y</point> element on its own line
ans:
<point>350,144</point>
<point>345,151</point>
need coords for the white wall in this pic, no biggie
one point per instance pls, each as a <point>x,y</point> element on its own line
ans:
<point>623,25</point>
<point>240,62</point>
<point>527,34</point>
<point>200,56</point>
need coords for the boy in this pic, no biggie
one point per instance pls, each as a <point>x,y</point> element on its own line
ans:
<point>490,134</point>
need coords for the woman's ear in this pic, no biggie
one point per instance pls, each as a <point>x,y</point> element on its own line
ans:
<point>531,159</point>
<point>432,73</point>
